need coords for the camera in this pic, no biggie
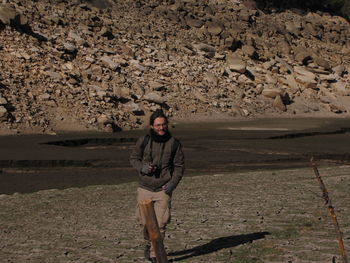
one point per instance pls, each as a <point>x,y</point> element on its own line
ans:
<point>155,171</point>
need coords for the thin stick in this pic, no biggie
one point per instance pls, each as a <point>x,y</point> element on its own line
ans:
<point>330,207</point>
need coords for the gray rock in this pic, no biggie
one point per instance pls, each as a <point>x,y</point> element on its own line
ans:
<point>154,97</point>
<point>250,51</point>
<point>341,88</point>
<point>3,113</point>
<point>121,91</point>
<point>7,14</point>
<point>69,47</point>
<point>205,49</point>
<point>44,96</point>
<point>109,63</point>
<point>303,57</point>
<point>3,101</point>
<point>54,75</point>
<point>210,79</point>
<point>271,92</point>
<point>322,63</point>
<point>305,77</point>
<point>194,22</point>
<point>103,119</point>
<point>291,82</point>
<point>278,103</point>
<point>76,38</point>
<point>155,85</point>
<point>339,70</point>
<point>214,28</point>
<point>198,95</point>
<point>134,108</point>
<point>235,63</point>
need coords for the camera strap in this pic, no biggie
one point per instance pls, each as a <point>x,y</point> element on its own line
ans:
<point>161,153</point>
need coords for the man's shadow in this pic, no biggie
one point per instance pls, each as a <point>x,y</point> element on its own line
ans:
<point>217,244</point>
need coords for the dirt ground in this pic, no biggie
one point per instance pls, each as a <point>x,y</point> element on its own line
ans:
<point>255,216</point>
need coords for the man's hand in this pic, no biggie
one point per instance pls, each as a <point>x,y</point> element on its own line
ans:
<point>148,169</point>
<point>168,188</point>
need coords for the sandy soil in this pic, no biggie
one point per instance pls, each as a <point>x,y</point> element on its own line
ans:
<point>258,216</point>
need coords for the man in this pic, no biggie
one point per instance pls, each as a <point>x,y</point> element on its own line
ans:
<point>159,161</point>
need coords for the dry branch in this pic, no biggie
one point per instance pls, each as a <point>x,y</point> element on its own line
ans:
<point>153,230</point>
<point>330,207</point>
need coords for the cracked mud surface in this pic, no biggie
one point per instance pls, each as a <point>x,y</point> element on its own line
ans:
<point>256,216</point>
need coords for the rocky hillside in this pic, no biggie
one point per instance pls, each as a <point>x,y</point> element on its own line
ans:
<point>105,65</point>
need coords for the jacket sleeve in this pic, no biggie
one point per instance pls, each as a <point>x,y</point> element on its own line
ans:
<point>179,166</point>
<point>136,155</point>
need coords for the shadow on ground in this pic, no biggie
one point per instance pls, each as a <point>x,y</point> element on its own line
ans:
<point>217,244</point>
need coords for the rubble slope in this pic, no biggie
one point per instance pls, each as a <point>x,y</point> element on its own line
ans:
<point>106,65</point>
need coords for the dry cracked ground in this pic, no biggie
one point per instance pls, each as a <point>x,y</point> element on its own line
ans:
<point>259,216</point>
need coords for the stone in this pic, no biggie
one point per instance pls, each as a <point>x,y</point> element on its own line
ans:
<point>305,77</point>
<point>193,22</point>
<point>155,85</point>
<point>54,75</point>
<point>341,88</point>
<point>7,14</point>
<point>205,49</point>
<point>3,113</point>
<point>250,51</point>
<point>291,82</point>
<point>3,101</point>
<point>109,63</point>
<point>103,119</point>
<point>278,103</point>
<point>271,92</point>
<point>134,108</point>
<point>235,63</point>
<point>214,28</point>
<point>198,95</point>
<point>210,79</point>
<point>339,70</point>
<point>121,91</point>
<point>270,80</point>
<point>74,36</point>
<point>154,97</point>
<point>71,48</point>
<point>322,63</point>
<point>303,57</point>
<point>44,96</point>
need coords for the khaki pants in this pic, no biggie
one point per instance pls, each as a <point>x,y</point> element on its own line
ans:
<point>162,205</point>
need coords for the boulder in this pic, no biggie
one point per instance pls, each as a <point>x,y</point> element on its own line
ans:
<point>339,70</point>
<point>205,49</point>
<point>155,85</point>
<point>109,63</point>
<point>3,101</point>
<point>278,103</point>
<point>305,77</point>
<point>235,63</point>
<point>214,28</point>
<point>250,51</point>
<point>10,16</point>
<point>3,113</point>
<point>292,84</point>
<point>154,97</point>
<point>193,22</point>
<point>210,79</point>
<point>322,63</point>
<point>134,108</point>
<point>271,92</point>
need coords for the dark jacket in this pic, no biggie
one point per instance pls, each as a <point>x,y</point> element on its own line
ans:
<point>170,163</point>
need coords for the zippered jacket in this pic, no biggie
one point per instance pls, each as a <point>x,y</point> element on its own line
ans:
<point>170,162</point>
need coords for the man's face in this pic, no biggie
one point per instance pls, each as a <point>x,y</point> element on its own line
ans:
<point>160,126</point>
